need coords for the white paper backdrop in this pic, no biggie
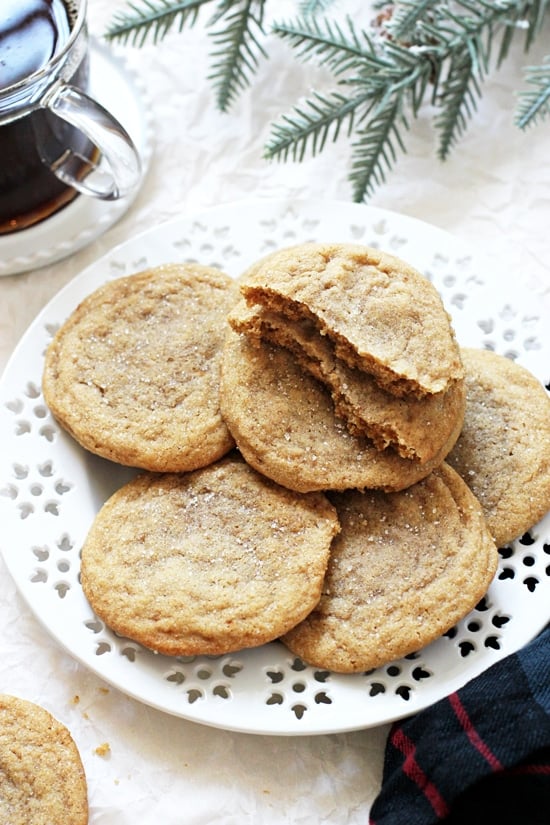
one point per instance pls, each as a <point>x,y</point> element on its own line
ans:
<point>493,192</point>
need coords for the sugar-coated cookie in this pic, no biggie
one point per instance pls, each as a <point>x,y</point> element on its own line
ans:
<point>381,315</point>
<point>133,374</point>
<point>405,567</point>
<point>418,428</point>
<point>284,425</point>
<point>503,452</point>
<point>42,780</point>
<point>207,562</point>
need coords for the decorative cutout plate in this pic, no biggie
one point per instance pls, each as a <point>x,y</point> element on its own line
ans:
<point>51,489</point>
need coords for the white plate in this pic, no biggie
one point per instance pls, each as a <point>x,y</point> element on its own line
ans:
<point>51,490</point>
<point>121,91</point>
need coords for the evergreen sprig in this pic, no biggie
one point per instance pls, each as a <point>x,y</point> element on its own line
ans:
<point>442,45</point>
<point>238,48</point>
<point>408,15</point>
<point>381,82</point>
<point>152,20</point>
<point>375,150</point>
<point>311,124</point>
<point>439,51</point>
<point>235,27</point>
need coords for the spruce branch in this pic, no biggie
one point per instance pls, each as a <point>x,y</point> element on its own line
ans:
<point>384,70</point>
<point>458,37</point>
<point>380,82</point>
<point>152,20</point>
<point>445,43</point>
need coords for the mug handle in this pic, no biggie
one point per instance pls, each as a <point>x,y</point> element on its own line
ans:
<point>118,168</point>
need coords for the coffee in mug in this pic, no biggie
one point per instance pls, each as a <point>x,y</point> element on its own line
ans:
<point>55,141</point>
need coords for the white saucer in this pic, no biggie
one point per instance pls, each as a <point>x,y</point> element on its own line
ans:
<point>121,91</point>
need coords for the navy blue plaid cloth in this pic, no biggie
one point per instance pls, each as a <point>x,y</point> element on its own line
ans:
<point>480,756</point>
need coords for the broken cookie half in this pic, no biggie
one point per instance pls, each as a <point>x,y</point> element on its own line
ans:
<point>372,330</point>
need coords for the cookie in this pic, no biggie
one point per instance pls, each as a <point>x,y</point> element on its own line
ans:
<point>42,780</point>
<point>381,315</point>
<point>503,452</point>
<point>207,562</point>
<point>284,425</point>
<point>404,569</point>
<point>418,428</point>
<point>133,374</point>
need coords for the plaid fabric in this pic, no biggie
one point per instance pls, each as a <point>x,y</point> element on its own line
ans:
<point>481,755</point>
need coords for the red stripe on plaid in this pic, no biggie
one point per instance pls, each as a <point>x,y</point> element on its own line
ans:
<point>530,770</point>
<point>472,734</point>
<point>412,769</point>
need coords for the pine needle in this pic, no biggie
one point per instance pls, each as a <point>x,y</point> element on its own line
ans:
<point>406,16</point>
<point>311,124</point>
<point>237,49</point>
<point>534,104</point>
<point>326,41</point>
<point>152,20</point>
<point>457,101</point>
<point>311,7</point>
<point>375,151</point>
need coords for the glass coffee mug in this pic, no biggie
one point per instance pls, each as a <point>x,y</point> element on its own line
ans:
<point>55,140</point>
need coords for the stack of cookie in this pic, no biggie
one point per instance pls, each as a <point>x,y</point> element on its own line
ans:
<point>296,433</point>
<point>370,383</point>
<point>342,373</point>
